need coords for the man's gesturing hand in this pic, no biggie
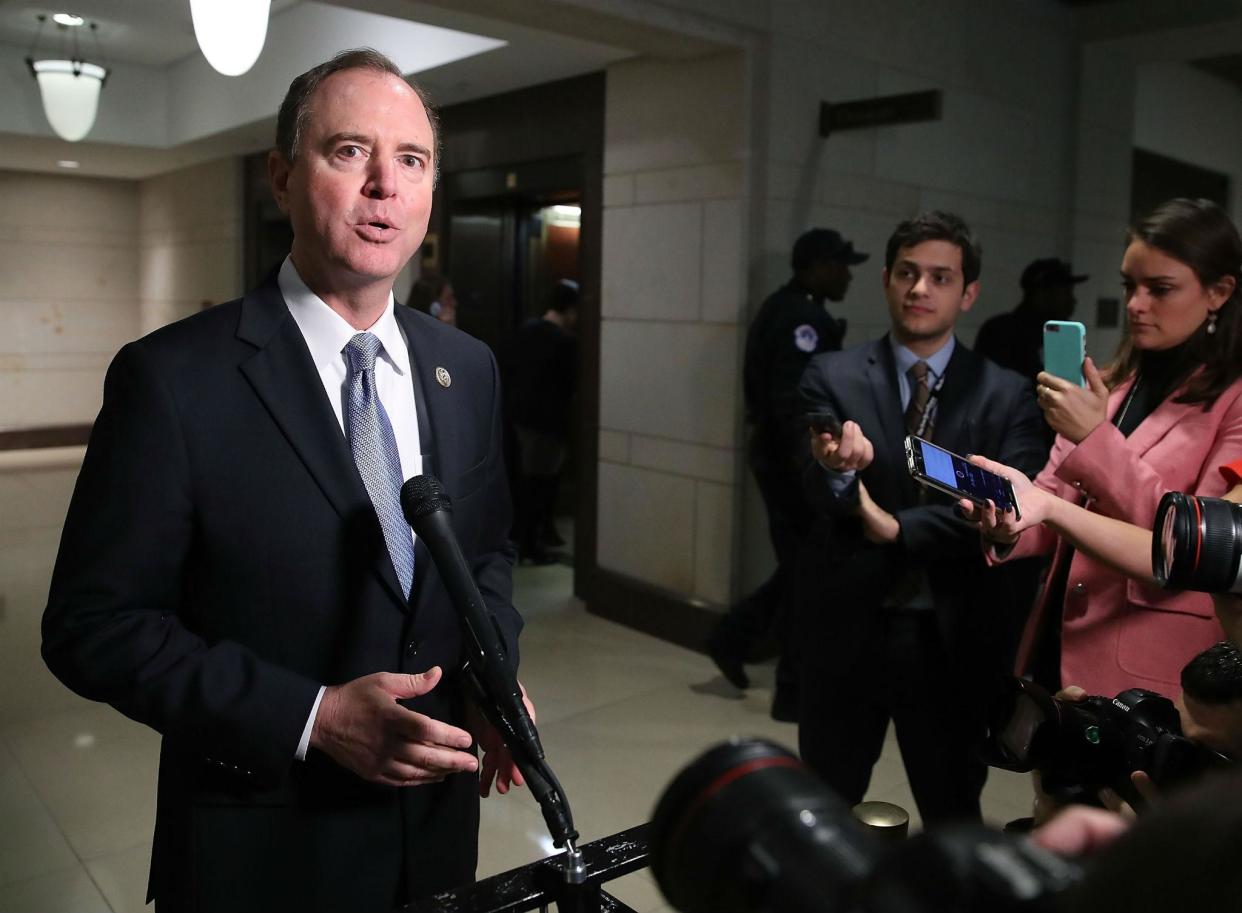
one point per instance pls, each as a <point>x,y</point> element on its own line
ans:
<point>361,726</point>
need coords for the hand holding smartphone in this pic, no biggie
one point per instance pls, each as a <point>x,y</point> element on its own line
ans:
<point>944,471</point>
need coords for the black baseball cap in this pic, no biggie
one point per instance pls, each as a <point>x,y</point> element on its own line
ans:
<point>1050,272</point>
<point>823,244</point>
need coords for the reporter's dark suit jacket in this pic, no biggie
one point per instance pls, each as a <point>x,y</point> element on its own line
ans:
<point>982,409</point>
<point>221,560</point>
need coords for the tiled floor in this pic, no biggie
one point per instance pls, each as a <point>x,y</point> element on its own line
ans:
<point>620,713</point>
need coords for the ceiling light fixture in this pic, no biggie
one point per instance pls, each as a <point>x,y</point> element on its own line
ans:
<point>67,19</point>
<point>230,33</point>
<point>69,163</point>
<point>68,84</point>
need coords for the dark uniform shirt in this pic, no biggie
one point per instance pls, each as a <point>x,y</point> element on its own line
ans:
<point>791,326</point>
<point>1014,340</point>
<point>542,377</point>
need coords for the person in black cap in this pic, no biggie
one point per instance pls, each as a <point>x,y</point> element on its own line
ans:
<point>792,325</point>
<point>1015,340</point>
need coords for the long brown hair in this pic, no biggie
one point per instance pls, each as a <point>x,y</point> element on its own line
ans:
<point>1199,234</point>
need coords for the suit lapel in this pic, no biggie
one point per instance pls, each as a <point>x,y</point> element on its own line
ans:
<point>284,377</point>
<point>432,416</point>
<point>960,381</point>
<point>1161,421</point>
<point>886,397</point>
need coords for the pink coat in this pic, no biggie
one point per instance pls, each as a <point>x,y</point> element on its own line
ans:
<point>1118,633</point>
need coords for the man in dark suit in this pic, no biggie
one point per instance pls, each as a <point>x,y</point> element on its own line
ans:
<point>901,618</point>
<point>235,572</point>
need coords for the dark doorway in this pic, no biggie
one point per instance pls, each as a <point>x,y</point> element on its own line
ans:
<point>504,254</point>
<point>267,234</point>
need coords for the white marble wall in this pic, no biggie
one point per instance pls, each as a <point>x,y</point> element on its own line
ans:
<point>1190,115</point>
<point>190,245</point>
<point>69,262</point>
<point>91,263</point>
<point>674,264</point>
<point>1101,201</point>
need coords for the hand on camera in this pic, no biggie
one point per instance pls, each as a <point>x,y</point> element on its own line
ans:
<point>1143,783</point>
<point>1079,830</point>
<point>1071,410</point>
<point>852,452</point>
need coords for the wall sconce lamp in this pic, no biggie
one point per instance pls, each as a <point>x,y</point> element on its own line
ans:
<point>230,33</point>
<point>68,84</point>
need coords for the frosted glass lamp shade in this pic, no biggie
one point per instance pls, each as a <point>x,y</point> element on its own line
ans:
<point>70,91</point>
<point>230,33</point>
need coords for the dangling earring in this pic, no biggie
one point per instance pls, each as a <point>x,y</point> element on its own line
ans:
<point>1211,323</point>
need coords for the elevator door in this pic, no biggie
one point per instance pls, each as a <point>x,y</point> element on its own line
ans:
<point>504,255</point>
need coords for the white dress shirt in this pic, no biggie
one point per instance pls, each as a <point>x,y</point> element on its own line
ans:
<point>327,333</point>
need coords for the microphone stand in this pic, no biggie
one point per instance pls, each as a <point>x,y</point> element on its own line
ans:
<point>573,879</point>
<point>537,885</point>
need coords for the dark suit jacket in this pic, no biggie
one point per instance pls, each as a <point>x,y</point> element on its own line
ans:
<point>221,560</point>
<point>982,409</point>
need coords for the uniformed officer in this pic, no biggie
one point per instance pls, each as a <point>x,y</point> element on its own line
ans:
<point>792,325</point>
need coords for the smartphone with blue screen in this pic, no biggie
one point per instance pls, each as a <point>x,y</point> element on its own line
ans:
<point>1065,346</point>
<point>944,471</point>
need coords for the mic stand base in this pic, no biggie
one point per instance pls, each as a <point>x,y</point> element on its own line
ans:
<point>537,885</point>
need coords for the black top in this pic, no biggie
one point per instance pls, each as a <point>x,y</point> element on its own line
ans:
<point>542,376</point>
<point>1160,373</point>
<point>1014,340</point>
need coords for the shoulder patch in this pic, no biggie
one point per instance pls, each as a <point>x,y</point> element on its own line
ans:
<point>805,338</point>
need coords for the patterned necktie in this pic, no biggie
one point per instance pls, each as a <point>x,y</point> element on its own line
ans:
<point>920,393</point>
<point>375,452</point>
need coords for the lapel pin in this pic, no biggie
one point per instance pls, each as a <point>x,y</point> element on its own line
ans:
<point>442,377</point>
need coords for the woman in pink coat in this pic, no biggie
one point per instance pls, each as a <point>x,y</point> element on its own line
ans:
<point>1163,417</point>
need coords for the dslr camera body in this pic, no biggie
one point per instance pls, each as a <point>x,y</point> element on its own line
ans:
<point>1081,746</point>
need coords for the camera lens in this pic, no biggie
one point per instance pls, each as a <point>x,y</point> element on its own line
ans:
<point>747,827</point>
<point>1197,544</point>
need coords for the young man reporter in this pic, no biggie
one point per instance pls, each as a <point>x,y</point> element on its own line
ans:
<point>898,611</point>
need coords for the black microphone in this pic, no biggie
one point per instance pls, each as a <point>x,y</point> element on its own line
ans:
<point>488,668</point>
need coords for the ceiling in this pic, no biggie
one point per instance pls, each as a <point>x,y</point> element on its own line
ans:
<point>152,33</point>
<point>163,107</point>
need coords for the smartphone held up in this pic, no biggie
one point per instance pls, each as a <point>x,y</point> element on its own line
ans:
<point>954,475</point>
<point>1065,347</point>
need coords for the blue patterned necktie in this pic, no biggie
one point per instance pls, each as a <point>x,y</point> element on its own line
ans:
<point>375,452</point>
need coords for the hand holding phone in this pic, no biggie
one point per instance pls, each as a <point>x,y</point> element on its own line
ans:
<point>954,475</point>
<point>846,451</point>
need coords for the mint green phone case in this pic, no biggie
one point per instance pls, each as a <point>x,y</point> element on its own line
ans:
<point>1065,346</point>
